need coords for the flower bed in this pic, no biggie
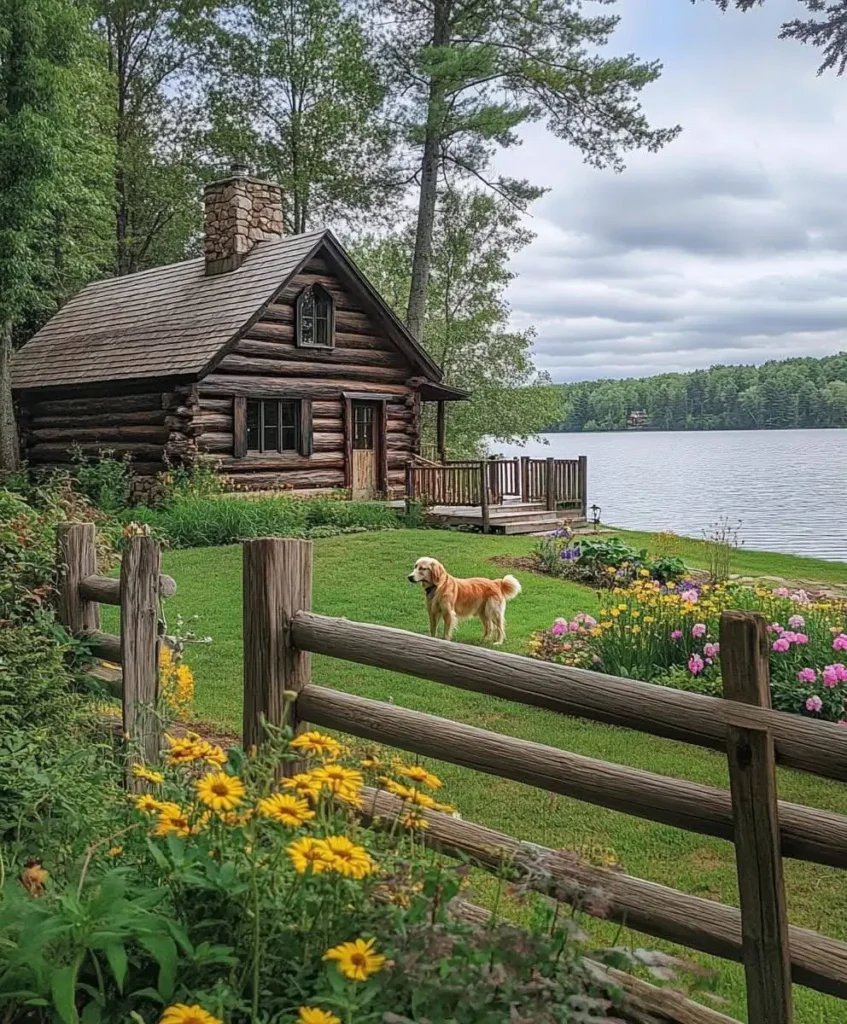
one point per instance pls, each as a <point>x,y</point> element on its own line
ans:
<point>601,562</point>
<point>668,633</point>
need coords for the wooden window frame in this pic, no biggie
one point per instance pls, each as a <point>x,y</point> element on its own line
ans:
<point>303,424</point>
<point>317,290</point>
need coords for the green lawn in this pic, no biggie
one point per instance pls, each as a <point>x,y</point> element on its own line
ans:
<point>364,577</point>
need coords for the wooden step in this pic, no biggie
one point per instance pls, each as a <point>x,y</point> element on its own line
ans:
<point>525,526</point>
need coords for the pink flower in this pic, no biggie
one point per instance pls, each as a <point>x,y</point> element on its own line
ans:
<point>676,635</point>
<point>711,650</point>
<point>796,621</point>
<point>589,621</point>
<point>830,676</point>
<point>781,592</point>
<point>774,627</point>
<point>780,645</point>
<point>573,627</point>
<point>843,721</point>
<point>698,630</point>
<point>814,703</point>
<point>801,638</point>
<point>689,596</point>
<point>558,627</point>
<point>789,636</point>
<point>695,664</point>
<point>808,675</point>
<point>840,642</point>
<point>567,647</point>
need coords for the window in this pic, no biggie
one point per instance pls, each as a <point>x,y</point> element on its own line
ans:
<point>315,318</point>
<point>363,427</point>
<point>269,425</point>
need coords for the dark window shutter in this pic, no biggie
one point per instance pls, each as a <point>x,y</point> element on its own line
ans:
<point>306,426</point>
<point>239,427</point>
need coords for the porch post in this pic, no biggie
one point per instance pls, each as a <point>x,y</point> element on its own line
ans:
<point>441,431</point>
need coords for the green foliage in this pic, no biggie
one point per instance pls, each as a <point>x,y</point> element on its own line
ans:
<point>603,562</point>
<point>296,92</point>
<point>789,393</point>
<point>106,481</point>
<point>202,522</point>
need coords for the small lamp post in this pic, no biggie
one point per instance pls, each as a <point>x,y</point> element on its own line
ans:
<point>595,516</point>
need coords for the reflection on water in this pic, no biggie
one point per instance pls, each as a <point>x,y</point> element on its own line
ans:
<point>787,487</point>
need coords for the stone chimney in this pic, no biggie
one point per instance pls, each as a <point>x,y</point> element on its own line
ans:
<point>240,211</point>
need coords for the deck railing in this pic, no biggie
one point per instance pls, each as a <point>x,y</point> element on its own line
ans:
<point>560,483</point>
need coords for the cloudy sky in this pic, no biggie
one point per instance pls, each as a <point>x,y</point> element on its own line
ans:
<point>728,246</point>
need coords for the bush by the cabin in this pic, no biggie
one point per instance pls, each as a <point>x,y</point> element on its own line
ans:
<point>668,633</point>
<point>211,521</point>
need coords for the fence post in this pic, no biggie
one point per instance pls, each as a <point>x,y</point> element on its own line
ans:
<point>483,495</point>
<point>550,484</point>
<point>277,585</point>
<point>140,642</point>
<point>410,485</point>
<point>524,480</point>
<point>76,558</point>
<point>583,485</point>
<point>752,776</point>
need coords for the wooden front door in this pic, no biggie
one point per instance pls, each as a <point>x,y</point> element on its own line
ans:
<point>365,485</point>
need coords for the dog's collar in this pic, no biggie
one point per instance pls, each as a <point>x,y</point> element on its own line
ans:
<point>430,589</point>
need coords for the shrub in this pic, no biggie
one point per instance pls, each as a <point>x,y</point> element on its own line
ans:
<point>670,634</point>
<point>222,890</point>
<point>106,480</point>
<point>604,563</point>
<point>206,522</point>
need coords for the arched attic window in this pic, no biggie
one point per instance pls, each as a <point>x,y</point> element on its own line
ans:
<point>315,318</point>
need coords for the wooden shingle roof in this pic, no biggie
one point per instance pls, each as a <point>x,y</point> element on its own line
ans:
<point>172,321</point>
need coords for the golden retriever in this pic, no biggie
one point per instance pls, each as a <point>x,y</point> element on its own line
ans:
<point>450,599</point>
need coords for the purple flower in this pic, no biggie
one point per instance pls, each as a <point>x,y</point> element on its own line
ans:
<point>808,675</point>
<point>698,630</point>
<point>840,642</point>
<point>814,703</point>
<point>796,622</point>
<point>676,635</point>
<point>781,645</point>
<point>711,650</point>
<point>695,664</point>
<point>558,627</point>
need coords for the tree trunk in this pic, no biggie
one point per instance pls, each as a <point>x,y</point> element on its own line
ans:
<point>9,450</point>
<point>416,311</point>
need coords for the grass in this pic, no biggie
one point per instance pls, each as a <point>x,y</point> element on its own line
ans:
<point>363,577</point>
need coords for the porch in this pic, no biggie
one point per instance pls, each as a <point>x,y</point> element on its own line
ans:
<point>519,495</point>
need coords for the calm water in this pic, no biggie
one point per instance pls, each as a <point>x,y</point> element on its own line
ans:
<point>787,487</point>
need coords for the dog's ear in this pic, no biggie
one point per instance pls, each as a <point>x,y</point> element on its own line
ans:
<point>436,572</point>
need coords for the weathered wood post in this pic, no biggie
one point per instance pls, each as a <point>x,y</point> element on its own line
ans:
<point>524,480</point>
<point>550,484</point>
<point>277,585</point>
<point>752,776</point>
<point>441,431</point>
<point>583,485</point>
<point>410,485</point>
<point>76,558</point>
<point>483,495</point>
<point>140,645</point>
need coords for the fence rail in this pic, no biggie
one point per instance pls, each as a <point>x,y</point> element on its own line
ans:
<point>281,633</point>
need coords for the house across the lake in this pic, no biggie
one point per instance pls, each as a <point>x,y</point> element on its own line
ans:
<point>272,353</point>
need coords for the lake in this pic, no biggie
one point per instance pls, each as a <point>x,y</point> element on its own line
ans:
<point>787,488</point>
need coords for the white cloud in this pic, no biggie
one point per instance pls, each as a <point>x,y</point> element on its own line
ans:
<point>728,246</point>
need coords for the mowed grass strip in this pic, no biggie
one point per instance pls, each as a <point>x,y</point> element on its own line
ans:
<point>364,577</point>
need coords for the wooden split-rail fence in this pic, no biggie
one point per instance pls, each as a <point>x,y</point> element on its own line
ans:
<point>281,632</point>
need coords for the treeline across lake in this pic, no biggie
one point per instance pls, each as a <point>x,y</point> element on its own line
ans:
<point>777,395</point>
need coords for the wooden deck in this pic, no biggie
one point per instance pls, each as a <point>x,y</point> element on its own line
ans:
<point>512,517</point>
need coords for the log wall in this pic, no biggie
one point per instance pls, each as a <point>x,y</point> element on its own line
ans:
<point>266,363</point>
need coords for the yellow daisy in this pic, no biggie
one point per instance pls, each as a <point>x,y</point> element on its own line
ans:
<point>175,820</point>
<point>348,859</point>
<point>211,753</point>
<point>422,799</point>
<point>414,821</point>
<point>286,808</point>
<point>341,781</point>
<point>317,743</point>
<point>404,792</point>
<point>304,785</point>
<point>147,804</point>
<point>220,791</point>
<point>179,1013</point>
<point>311,1015</point>
<point>114,851</point>
<point>141,771</point>
<point>356,960</point>
<point>417,773</point>
<point>182,750</point>
<point>309,854</point>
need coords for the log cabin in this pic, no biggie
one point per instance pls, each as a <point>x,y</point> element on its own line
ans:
<point>271,356</point>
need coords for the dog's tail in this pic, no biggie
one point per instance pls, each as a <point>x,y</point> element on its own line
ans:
<point>509,587</point>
